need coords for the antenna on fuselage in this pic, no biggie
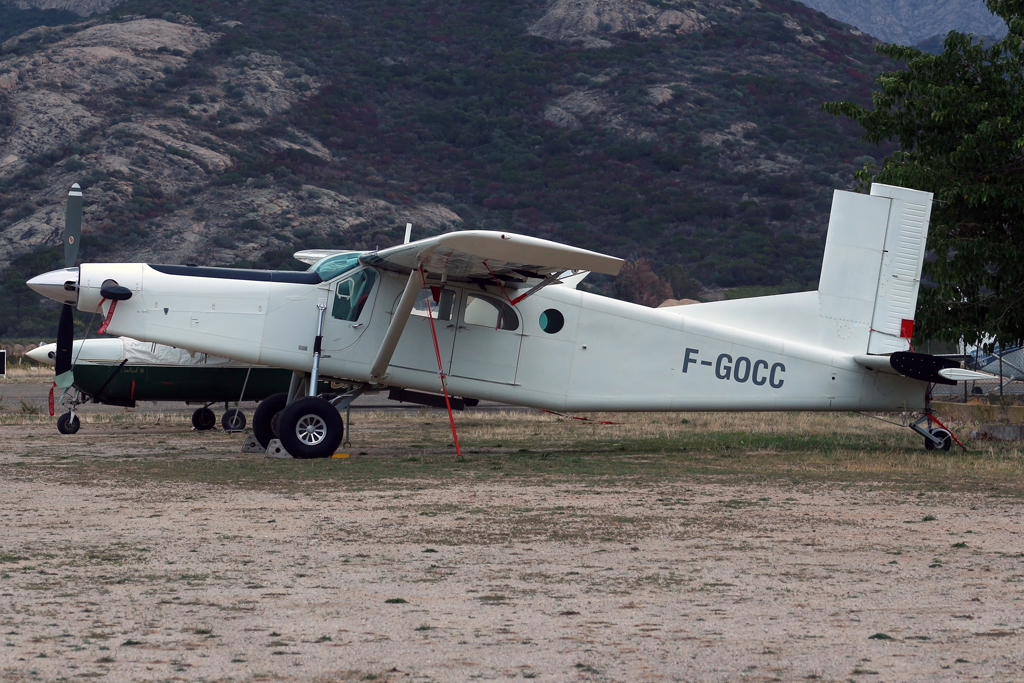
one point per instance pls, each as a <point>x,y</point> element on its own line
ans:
<point>408,233</point>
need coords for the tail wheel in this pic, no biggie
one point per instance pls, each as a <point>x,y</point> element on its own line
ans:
<point>264,420</point>
<point>203,419</point>
<point>310,428</point>
<point>943,435</point>
<point>68,423</point>
<point>233,420</point>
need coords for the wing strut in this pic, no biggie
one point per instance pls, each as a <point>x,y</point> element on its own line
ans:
<point>398,320</point>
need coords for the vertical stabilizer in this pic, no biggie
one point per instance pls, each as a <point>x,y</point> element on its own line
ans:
<point>892,325</point>
<point>871,271</point>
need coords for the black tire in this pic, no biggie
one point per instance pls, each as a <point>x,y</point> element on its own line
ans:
<point>470,402</point>
<point>264,420</point>
<point>310,428</point>
<point>233,420</point>
<point>947,440</point>
<point>203,419</point>
<point>66,424</point>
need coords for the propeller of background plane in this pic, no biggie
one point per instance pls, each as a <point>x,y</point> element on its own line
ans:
<point>63,368</point>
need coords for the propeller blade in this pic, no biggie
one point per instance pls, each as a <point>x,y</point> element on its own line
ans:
<point>65,339</point>
<point>73,226</point>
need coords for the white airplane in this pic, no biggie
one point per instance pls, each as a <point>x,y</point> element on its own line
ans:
<point>497,316</point>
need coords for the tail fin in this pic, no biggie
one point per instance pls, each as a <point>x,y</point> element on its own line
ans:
<point>871,271</point>
<point>870,277</point>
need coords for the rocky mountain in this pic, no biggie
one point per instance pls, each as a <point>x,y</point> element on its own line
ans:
<point>82,8</point>
<point>66,104</point>
<point>909,22</point>
<point>688,133</point>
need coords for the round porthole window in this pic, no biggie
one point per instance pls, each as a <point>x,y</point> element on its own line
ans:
<point>551,321</point>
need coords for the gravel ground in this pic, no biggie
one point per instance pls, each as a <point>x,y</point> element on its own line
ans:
<point>561,579</point>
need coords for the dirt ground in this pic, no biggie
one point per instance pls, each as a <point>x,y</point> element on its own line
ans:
<point>123,559</point>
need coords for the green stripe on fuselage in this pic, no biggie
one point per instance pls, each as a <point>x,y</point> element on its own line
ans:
<point>179,383</point>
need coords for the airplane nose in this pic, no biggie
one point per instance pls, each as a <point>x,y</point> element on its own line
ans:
<point>59,285</point>
<point>45,354</point>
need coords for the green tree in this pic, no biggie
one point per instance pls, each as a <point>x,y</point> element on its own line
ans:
<point>959,119</point>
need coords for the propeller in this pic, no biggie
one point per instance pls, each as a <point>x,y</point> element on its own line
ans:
<point>66,327</point>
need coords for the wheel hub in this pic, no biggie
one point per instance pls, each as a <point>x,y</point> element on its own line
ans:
<point>311,429</point>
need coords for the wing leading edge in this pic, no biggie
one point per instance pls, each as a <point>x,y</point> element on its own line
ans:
<point>473,254</point>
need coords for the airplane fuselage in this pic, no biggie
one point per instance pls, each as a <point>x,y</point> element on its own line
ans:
<point>560,349</point>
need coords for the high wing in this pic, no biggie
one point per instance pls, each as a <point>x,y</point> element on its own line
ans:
<point>475,254</point>
<point>472,255</point>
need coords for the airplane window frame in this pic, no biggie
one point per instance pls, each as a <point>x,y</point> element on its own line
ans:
<point>443,311</point>
<point>506,317</point>
<point>371,276</point>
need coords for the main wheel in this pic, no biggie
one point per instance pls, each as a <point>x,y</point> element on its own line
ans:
<point>203,419</point>
<point>944,435</point>
<point>310,428</point>
<point>68,424</point>
<point>264,420</point>
<point>233,420</point>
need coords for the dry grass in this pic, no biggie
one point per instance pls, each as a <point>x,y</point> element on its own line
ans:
<point>408,448</point>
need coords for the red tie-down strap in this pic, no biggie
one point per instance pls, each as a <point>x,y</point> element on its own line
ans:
<point>51,398</point>
<point>440,368</point>
<point>110,314</point>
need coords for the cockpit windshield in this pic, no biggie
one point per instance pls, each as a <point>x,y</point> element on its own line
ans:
<point>333,266</point>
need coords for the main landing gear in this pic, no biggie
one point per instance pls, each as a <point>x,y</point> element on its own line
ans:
<point>308,427</point>
<point>311,428</point>
<point>204,419</point>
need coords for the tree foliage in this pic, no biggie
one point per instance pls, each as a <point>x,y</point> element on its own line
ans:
<point>638,284</point>
<point>959,118</point>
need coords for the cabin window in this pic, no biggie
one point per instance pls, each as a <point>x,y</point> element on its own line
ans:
<point>351,294</point>
<point>488,312</point>
<point>441,299</point>
<point>552,321</point>
<point>333,266</point>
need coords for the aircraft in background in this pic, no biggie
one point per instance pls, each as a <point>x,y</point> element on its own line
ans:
<point>497,316</point>
<point>122,371</point>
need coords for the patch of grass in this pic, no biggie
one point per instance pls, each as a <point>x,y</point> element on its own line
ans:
<point>642,448</point>
<point>881,636</point>
<point>396,601</point>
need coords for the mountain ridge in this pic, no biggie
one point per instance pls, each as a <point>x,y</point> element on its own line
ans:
<point>248,131</point>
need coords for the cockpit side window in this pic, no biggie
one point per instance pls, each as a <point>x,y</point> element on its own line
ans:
<point>350,295</point>
<point>488,312</point>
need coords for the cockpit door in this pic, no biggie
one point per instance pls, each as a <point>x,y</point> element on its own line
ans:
<point>348,308</point>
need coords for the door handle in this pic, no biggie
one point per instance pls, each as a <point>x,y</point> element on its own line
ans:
<point>355,325</point>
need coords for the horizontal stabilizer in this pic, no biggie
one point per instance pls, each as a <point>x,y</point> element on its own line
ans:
<point>923,367</point>
<point>937,369</point>
<point>963,375</point>
<point>474,254</point>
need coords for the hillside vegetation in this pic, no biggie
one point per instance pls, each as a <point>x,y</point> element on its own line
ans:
<point>686,133</point>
